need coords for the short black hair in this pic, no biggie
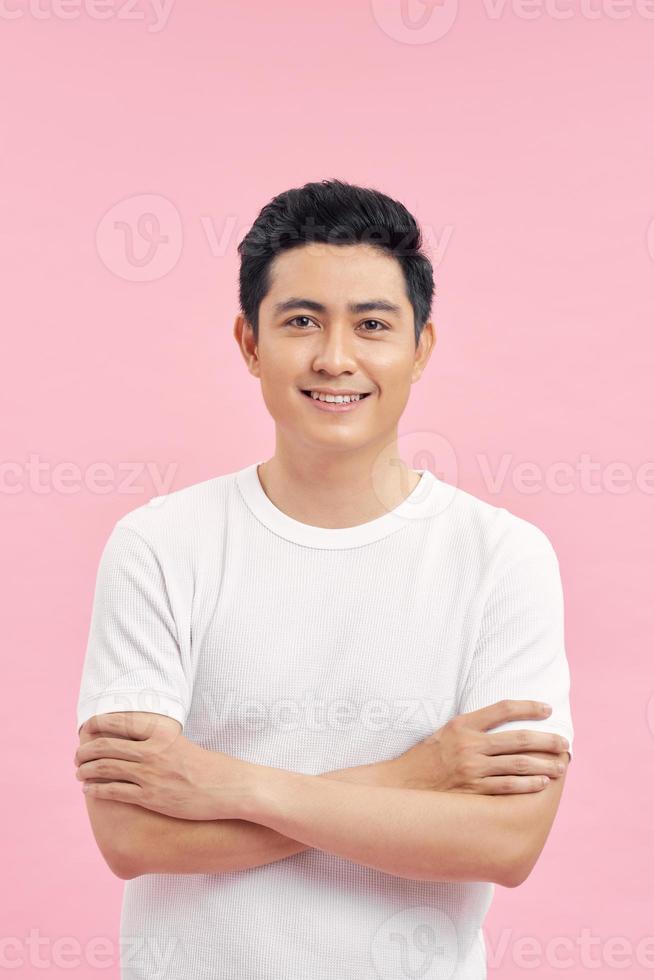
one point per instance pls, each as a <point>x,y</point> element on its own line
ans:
<point>337,213</point>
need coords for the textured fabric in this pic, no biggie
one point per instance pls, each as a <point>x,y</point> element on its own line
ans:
<point>254,631</point>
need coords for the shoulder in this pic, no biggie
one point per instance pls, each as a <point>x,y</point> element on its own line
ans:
<point>184,517</point>
<point>495,534</point>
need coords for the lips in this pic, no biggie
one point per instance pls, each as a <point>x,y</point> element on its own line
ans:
<point>361,394</point>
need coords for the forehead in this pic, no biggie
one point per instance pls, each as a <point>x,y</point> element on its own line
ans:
<point>336,275</point>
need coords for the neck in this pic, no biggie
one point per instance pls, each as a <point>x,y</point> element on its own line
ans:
<point>336,490</point>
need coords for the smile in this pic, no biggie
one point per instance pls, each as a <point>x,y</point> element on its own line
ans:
<point>331,406</point>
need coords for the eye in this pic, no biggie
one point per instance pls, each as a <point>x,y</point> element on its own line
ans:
<point>300,317</point>
<point>294,322</point>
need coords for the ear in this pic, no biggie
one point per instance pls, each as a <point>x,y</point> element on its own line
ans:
<point>424,349</point>
<point>244,336</point>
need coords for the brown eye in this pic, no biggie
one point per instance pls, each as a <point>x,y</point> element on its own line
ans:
<point>294,322</point>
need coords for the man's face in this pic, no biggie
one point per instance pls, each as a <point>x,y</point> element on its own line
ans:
<point>315,333</point>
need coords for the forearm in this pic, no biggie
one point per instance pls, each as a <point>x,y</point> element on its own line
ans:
<point>156,843</point>
<point>410,833</point>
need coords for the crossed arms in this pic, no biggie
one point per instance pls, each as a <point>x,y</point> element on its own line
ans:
<point>392,815</point>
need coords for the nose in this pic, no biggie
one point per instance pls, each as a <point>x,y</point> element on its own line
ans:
<point>335,351</point>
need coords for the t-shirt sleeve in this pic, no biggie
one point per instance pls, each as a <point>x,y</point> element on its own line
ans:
<point>520,651</point>
<point>133,660</point>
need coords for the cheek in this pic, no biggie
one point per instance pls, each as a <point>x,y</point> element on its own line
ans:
<point>279,396</point>
<point>393,396</point>
<point>280,373</point>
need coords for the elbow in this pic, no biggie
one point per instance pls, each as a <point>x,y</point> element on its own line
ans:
<point>118,835</point>
<point>127,875</point>
<point>511,876</point>
<point>516,869</point>
<point>510,849</point>
<point>124,862</point>
<point>123,866</point>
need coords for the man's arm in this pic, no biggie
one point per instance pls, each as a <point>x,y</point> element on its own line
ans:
<point>520,654</point>
<point>533,815</point>
<point>136,841</point>
<point>411,833</point>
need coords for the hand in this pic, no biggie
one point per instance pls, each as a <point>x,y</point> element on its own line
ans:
<point>142,758</point>
<point>462,757</point>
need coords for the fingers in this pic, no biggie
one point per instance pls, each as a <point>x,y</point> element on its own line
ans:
<point>124,792</point>
<point>524,740</point>
<point>108,769</point>
<point>105,747</point>
<point>509,785</point>
<point>501,711</point>
<point>535,764</point>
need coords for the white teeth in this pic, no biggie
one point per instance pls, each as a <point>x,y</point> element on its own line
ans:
<point>334,398</point>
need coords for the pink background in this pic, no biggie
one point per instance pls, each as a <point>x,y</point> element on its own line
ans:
<point>524,145</point>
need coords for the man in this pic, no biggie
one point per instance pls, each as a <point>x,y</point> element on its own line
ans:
<point>350,646</point>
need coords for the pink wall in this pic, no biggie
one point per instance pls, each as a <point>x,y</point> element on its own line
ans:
<point>523,141</point>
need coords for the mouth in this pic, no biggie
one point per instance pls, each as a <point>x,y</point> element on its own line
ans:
<point>335,407</point>
<point>362,395</point>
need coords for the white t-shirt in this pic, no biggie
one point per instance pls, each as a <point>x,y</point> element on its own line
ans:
<point>314,649</point>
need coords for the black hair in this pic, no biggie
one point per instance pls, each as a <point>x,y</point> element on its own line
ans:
<point>336,213</point>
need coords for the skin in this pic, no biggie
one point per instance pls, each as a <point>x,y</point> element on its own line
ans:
<point>462,805</point>
<point>160,803</point>
<point>336,470</point>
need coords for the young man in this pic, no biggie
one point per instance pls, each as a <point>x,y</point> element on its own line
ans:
<point>351,647</point>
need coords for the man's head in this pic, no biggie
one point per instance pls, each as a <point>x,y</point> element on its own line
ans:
<point>335,293</point>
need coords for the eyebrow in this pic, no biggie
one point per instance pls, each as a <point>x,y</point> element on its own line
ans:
<point>369,306</point>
